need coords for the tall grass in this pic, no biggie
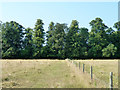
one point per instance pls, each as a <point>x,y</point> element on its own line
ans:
<point>56,74</point>
<point>101,70</point>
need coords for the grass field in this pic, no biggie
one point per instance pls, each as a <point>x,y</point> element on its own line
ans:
<point>56,74</point>
<point>101,71</point>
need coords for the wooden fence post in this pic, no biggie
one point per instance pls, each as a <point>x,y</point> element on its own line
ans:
<point>79,65</point>
<point>83,67</point>
<point>111,80</point>
<point>91,73</point>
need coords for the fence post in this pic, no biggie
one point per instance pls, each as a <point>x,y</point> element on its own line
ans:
<point>79,65</point>
<point>111,80</point>
<point>83,67</point>
<point>91,72</point>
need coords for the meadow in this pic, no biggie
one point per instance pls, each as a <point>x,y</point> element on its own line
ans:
<point>47,73</point>
<point>101,71</point>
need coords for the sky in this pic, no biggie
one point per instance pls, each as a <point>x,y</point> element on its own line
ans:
<point>26,13</point>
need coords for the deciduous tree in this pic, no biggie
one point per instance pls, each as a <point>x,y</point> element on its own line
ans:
<point>109,51</point>
<point>97,38</point>
<point>12,39</point>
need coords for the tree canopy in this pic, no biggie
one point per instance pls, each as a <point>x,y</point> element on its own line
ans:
<point>60,40</point>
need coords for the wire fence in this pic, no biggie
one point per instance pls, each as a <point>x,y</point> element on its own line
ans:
<point>107,79</point>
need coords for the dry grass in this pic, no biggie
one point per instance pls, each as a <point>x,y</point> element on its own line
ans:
<point>101,71</point>
<point>39,74</point>
<point>51,74</point>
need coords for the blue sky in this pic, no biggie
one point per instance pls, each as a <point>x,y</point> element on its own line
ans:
<point>26,13</point>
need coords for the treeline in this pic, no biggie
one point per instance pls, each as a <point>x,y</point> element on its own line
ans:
<point>60,41</point>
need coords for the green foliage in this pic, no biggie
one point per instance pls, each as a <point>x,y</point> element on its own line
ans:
<point>83,38</point>
<point>12,39</point>
<point>72,44</point>
<point>61,41</point>
<point>109,51</point>
<point>97,38</point>
<point>117,25</point>
<point>50,40</point>
<point>56,40</point>
<point>0,39</point>
<point>116,38</point>
<point>27,51</point>
<point>110,36</point>
<point>38,38</point>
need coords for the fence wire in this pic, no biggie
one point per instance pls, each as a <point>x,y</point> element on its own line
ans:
<point>99,77</point>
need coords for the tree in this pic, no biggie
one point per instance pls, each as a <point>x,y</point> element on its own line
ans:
<point>38,38</point>
<point>83,39</point>
<point>12,39</point>
<point>117,25</point>
<point>50,40</point>
<point>110,33</point>
<point>62,42</point>
<point>56,40</point>
<point>0,39</point>
<point>109,51</point>
<point>72,45</point>
<point>97,38</point>
<point>59,40</point>
<point>116,38</point>
<point>27,51</point>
